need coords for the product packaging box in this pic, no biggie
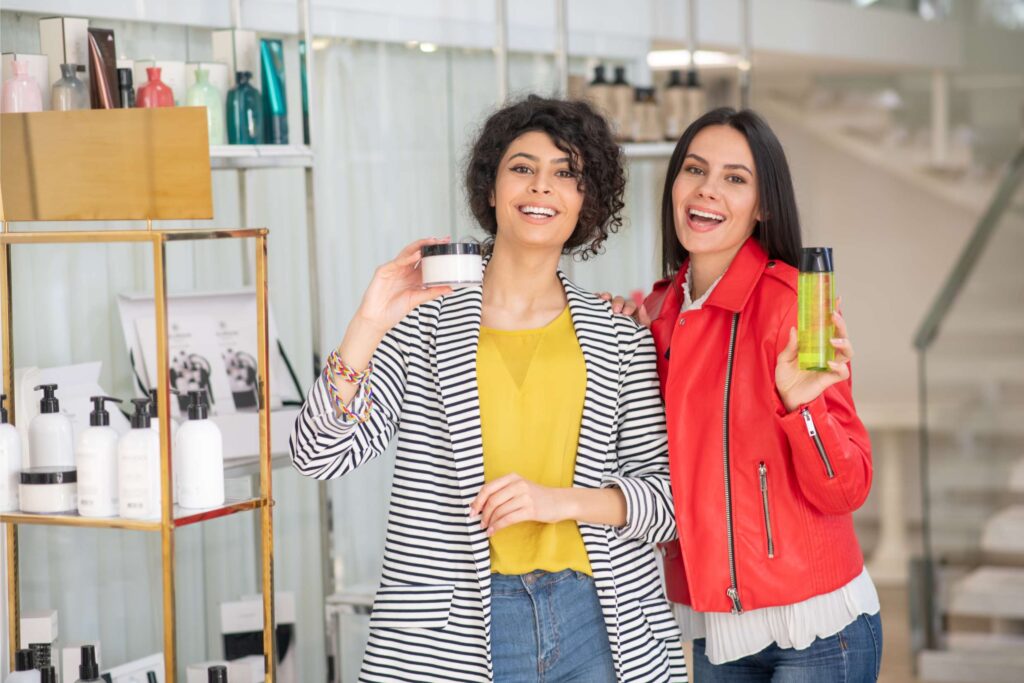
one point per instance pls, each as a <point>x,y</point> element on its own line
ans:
<point>241,625</point>
<point>64,40</point>
<point>103,90</point>
<point>171,72</point>
<point>39,626</point>
<point>38,68</point>
<point>240,50</point>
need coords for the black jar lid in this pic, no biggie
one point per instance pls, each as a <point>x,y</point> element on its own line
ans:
<point>49,475</point>
<point>450,248</point>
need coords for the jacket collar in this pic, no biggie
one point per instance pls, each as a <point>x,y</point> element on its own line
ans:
<point>739,280</point>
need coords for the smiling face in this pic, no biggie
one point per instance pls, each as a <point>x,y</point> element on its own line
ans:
<point>536,196</point>
<point>715,196</point>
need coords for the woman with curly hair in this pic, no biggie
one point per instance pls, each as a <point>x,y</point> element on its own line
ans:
<point>531,473</point>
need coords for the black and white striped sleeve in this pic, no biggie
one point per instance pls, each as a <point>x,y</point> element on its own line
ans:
<point>325,446</point>
<point>642,472</point>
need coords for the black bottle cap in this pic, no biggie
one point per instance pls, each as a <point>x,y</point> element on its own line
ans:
<point>692,81</point>
<point>197,408</point>
<point>141,418</point>
<point>99,417</point>
<point>675,78</point>
<point>23,660</point>
<point>217,674</point>
<point>620,76</point>
<point>88,670</point>
<point>242,77</point>
<point>3,409</point>
<point>151,677</point>
<point>599,75</point>
<point>124,78</point>
<point>49,402</point>
<point>47,675</point>
<point>816,260</point>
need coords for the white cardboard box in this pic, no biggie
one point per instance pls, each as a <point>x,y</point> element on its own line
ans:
<point>65,40</point>
<point>38,68</point>
<point>240,50</point>
<point>39,626</point>
<point>244,618</point>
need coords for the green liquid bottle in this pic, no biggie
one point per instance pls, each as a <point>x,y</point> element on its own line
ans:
<point>815,303</point>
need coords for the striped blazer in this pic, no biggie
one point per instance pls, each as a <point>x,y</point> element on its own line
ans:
<point>431,615</point>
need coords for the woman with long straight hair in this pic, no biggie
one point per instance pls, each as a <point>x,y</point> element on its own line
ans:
<point>531,475</point>
<point>768,462</point>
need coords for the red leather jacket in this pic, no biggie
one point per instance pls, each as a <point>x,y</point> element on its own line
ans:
<point>763,498</point>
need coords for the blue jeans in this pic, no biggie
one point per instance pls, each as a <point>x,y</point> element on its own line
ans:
<point>854,655</point>
<point>547,628</point>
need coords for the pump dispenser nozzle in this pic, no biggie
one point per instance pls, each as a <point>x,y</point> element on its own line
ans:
<point>99,417</point>
<point>217,674</point>
<point>3,409</point>
<point>49,402</point>
<point>197,408</point>
<point>141,416</point>
<point>47,675</point>
<point>88,670</point>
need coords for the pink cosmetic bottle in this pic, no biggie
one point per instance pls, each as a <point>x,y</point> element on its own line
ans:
<point>155,93</point>
<point>21,93</point>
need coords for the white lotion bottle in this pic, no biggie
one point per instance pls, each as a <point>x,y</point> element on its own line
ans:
<point>51,442</point>
<point>199,452</point>
<point>138,464</point>
<point>24,671</point>
<point>10,461</point>
<point>96,460</point>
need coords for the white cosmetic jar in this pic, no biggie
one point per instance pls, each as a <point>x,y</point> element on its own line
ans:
<point>49,490</point>
<point>457,264</point>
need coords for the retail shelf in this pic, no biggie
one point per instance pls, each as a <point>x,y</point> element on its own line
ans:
<point>182,517</point>
<point>648,150</point>
<point>260,156</point>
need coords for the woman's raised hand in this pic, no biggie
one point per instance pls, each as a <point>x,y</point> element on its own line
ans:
<point>797,387</point>
<point>397,288</point>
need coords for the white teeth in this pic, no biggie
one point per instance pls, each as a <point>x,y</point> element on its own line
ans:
<point>537,210</point>
<point>705,214</point>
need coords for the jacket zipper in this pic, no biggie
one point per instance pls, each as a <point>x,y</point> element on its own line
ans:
<point>733,592</point>
<point>762,471</point>
<point>813,433</point>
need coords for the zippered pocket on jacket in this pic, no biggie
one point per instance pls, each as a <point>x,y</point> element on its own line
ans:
<point>762,473</point>
<point>812,431</point>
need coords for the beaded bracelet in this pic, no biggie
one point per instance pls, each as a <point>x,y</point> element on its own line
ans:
<point>348,415</point>
<point>345,371</point>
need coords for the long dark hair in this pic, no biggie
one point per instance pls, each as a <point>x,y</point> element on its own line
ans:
<point>779,230</point>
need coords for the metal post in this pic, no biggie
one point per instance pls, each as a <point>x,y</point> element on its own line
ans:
<point>746,50</point>
<point>501,47</point>
<point>562,47</point>
<point>266,481</point>
<point>6,321</point>
<point>166,473</point>
<point>940,117</point>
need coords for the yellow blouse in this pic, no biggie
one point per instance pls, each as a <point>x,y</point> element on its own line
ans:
<point>532,384</point>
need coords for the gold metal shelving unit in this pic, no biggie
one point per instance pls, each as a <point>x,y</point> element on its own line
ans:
<point>128,164</point>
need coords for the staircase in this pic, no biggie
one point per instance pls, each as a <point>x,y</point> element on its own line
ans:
<point>973,348</point>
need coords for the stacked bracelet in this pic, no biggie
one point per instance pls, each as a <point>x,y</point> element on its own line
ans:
<point>336,367</point>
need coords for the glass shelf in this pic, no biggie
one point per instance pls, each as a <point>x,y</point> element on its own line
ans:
<point>260,156</point>
<point>182,517</point>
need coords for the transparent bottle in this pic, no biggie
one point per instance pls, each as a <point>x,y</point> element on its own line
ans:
<point>245,112</point>
<point>205,94</point>
<point>21,92</point>
<point>815,304</point>
<point>69,92</point>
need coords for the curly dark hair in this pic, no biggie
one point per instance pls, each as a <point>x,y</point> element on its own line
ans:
<point>579,131</point>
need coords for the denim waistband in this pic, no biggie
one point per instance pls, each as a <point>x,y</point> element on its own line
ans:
<point>535,580</point>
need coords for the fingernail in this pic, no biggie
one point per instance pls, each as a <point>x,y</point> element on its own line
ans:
<point>838,340</point>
